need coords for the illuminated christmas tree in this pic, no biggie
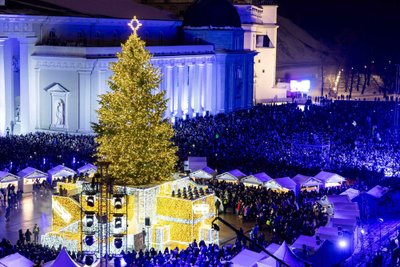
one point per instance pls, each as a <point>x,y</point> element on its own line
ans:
<point>131,133</point>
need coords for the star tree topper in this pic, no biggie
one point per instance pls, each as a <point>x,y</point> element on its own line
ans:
<point>134,24</point>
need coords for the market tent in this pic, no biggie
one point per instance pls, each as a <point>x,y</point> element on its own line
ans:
<point>339,199</point>
<point>30,176</point>
<point>347,214</point>
<point>256,179</point>
<point>271,248</point>
<point>310,243</point>
<point>348,224</point>
<point>378,191</point>
<point>273,185</point>
<point>59,171</point>
<point>328,233</point>
<point>7,178</point>
<point>88,169</point>
<point>351,193</point>
<point>231,176</point>
<point>62,260</point>
<point>285,254</point>
<point>307,182</point>
<point>287,183</point>
<point>14,260</point>
<point>204,173</point>
<point>329,179</point>
<point>247,258</point>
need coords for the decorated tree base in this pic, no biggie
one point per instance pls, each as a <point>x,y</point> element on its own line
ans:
<point>170,214</point>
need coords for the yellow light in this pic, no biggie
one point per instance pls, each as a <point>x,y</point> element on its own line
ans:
<point>64,214</point>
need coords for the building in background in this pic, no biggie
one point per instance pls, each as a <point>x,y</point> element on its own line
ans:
<point>55,57</point>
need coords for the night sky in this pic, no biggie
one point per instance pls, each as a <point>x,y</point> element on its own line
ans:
<point>362,30</point>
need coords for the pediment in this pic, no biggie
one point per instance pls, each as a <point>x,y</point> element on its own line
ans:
<point>56,88</point>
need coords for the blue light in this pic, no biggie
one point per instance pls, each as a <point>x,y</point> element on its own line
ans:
<point>343,243</point>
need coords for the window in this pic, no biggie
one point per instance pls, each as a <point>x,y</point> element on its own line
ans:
<point>263,41</point>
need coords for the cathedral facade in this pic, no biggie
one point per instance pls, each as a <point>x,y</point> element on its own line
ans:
<point>55,58</point>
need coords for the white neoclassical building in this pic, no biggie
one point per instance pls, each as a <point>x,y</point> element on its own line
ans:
<point>55,54</point>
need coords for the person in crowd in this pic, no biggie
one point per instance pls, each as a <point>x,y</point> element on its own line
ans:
<point>36,231</point>
<point>28,236</point>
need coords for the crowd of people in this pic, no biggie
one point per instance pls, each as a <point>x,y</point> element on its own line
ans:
<point>196,254</point>
<point>281,214</point>
<point>45,150</point>
<point>281,140</point>
<point>284,140</point>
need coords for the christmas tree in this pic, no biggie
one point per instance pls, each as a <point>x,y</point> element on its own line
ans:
<point>132,134</point>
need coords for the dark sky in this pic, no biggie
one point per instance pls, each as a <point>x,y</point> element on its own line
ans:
<point>364,30</point>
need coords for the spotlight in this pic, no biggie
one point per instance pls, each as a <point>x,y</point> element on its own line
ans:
<point>118,203</point>
<point>89,240</point>
<point>118,222</point>
<point>343,243</point>
<point>362,231</point>
<point>118,243</point>
<point>90,201</point>
<point>89,220</point>
<point>89,260</point>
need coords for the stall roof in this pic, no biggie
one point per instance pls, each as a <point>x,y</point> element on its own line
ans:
<point>285,254</point>
<point>33,173</point>
<point>233,175</point>
<point>204,173</point>
<point>304,180</point>
<point>378,191</point>
<point>329,177</point>
<point>87,168</point>
<point>247,258</point>
<point>309,241</point>
<point>62,260</point>
<point>286,182</point>
<point>336,199</point>
<point>14,260</point>
<point>59,169</point>
<point>259,178</point>
<point>351,193</point>
<point>7,177</point>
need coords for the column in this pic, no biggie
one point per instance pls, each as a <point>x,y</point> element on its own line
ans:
<point>191,83</point>
<point>84,101</point>
<point>3,106</point>
<point>38,123</point>
<point>170,91</point>
<point>27,86</point>
<point>202,82</point>
<point>211,90</point>
<point>180,90</point>
<point>197,92</point>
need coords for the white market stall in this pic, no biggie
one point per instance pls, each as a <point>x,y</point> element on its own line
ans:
<point>59,172</point>
<point>329,179</point>
<point>29,176</point>
<point>287,184</point>
<point>7,179</point>
<point>351,193</point>
<point>307,183</point>
<point>247,258</point>
<point>378,191</point>
<point>310,243</point>
<point>16,260</point>
<point>285,254</point>
<point>259,179</point>
<point>88,169</point>
<point>205,173</point>
<point>63,260</point>
<point>232,176</point>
